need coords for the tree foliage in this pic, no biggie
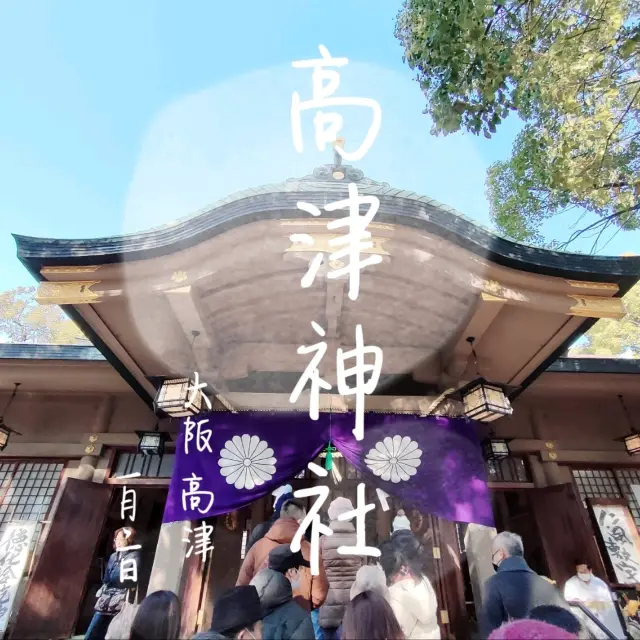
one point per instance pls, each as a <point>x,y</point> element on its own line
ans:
<point>611,338</point>
<point>569,68</point>
<point>22,319</point>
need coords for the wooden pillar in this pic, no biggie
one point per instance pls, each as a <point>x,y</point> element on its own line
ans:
<point>449,586</point>
<point>168,562</point>
<point>477,542</point>
<point>225,562</point>
<point>193,575</point>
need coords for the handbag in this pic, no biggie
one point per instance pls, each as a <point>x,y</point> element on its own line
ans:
<point>120,626</point>
<point>110,600</point>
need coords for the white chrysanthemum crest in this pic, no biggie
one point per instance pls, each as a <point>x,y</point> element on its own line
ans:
<point>247,462</point>
<point>394,459</point>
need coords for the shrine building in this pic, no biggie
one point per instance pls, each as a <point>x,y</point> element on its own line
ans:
<point>219,293</point>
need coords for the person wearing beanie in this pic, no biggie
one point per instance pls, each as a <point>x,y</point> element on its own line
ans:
<point>530,630</point>
<point>282,495</point>
<point>341,569</point>
<point>370,578</point>
<point>401,522</point>
<point>282,618</point>
<point>237,615</point>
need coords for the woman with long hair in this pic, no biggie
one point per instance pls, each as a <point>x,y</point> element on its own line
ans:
<point>369,617</point>
<point>411,595</point>
<point>158,617</point>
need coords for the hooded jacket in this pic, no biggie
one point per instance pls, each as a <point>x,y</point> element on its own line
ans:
<point>260,530</point>
<point>341,572</point>
<point>283,619</point>
<point>312,590</point>
<point>416,608</point>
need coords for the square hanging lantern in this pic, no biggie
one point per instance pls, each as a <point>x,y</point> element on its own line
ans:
<point>632,444</point>
<point>173,398</point>
<point>152,443</point>
<point>5,432</point>
<point>484,401</point>
<point>495,449</point>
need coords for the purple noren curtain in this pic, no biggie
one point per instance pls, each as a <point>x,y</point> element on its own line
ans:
<point>225,461</point>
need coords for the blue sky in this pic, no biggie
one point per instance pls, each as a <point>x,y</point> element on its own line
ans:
<point>121,116</point>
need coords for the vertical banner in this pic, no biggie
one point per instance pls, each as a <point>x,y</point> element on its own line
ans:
<point>619,536</point>
<point>14,553</point>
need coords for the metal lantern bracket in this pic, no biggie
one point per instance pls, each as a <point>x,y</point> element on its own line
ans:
<point>5,429</point>
<point>632,439</point>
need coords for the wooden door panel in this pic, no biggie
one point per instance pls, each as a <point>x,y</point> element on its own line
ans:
<point>225,561</point>
<point>54,592</point>
<point>565,531</point>
<point>191,589</point>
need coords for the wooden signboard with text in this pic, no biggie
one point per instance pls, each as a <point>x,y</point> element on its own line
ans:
<point>618,537</point>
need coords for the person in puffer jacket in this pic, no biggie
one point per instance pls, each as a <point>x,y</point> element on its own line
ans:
<point>340,569</point>
<point>283,618</point>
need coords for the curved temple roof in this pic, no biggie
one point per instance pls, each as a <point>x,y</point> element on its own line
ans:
<point>278,201</point>
<point>524,305</point>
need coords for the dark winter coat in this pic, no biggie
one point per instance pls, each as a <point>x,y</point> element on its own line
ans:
<point>111,576</point>
<point>513,592</point>
<point>283,619</point>
<point>341,572</point>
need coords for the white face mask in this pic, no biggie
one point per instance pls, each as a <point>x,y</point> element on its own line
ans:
<point>585,577</point>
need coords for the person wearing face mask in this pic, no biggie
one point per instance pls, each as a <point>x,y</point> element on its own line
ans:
<point>308,590</point>
<point>595,595</point>
<point>515,589</point>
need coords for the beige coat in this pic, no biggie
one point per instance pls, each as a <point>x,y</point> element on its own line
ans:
<point>416,608</point>
<point>341,571</point>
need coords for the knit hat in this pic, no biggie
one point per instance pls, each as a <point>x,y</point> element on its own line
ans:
<point>370,578</point>
<point>236,608</point>
<point>530,630</point>
<point>285,488</point>
<point>400,523</point>
<point>338,507</point>
<point>280,500</point>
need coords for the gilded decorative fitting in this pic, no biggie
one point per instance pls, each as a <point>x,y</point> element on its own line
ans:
<point>602,286</point>
<point>553,456</point>
<point>320,242</point>
<point>89,449</point>
<point>179,276</point>
<point>550,444</point>
<point>93,438</point>
<point>597,307</point>
<point>67,292</point>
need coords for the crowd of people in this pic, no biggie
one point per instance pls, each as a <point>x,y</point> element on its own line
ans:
<point>276,597</point>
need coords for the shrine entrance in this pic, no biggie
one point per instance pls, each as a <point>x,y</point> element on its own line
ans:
<point>203,582</point>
